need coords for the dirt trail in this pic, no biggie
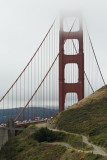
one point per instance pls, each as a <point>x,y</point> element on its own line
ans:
<point>62,144</point>
<point>40,125</point>
<point>97,149</point>
<point>68,146</point>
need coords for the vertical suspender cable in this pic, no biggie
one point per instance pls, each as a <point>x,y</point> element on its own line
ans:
<point>31,93</point>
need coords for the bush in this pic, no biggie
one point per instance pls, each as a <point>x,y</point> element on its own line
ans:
<point>44,134</point>
<point>93,132</point>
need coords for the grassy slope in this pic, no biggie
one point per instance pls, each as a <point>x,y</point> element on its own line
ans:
<point>44,134</point>
<point>72,155</point>
<point>24,147</point>
<point>88,117</point>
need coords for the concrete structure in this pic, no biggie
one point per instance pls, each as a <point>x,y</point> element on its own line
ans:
<point>3,136</point>
<point>7,132</point>
<point>10,125</point>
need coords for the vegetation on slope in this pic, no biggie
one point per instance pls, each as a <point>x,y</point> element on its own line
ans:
<point>24,147</point>
<point>88,117</point>
<point>31,146</point>
<point>73,155</point>
<point>46,135</point>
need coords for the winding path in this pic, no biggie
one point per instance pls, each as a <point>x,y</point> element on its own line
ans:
<point>97,149</point>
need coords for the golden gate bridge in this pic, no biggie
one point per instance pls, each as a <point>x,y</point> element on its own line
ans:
<point>63,70</point>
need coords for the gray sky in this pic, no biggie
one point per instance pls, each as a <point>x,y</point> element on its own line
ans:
<point>24,23</point>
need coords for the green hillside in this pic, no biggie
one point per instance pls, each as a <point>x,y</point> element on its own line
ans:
<point>88,117</point>
<point>38,146</point>
<point>26,147</point>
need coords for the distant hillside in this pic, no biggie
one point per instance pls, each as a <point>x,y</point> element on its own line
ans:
<point>88,117</point>
<point>33,112</point>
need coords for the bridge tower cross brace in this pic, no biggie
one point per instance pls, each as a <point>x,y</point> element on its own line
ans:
<point>78,59</point>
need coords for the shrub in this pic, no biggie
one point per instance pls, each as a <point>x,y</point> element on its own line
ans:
<point>44,134</point>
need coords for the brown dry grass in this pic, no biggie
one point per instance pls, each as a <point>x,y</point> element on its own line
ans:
<point>92,99</point>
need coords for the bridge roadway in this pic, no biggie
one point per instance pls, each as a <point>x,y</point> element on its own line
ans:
<point>26,124</point>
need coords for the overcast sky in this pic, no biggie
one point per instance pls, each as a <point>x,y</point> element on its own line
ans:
<point>24,23</point>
